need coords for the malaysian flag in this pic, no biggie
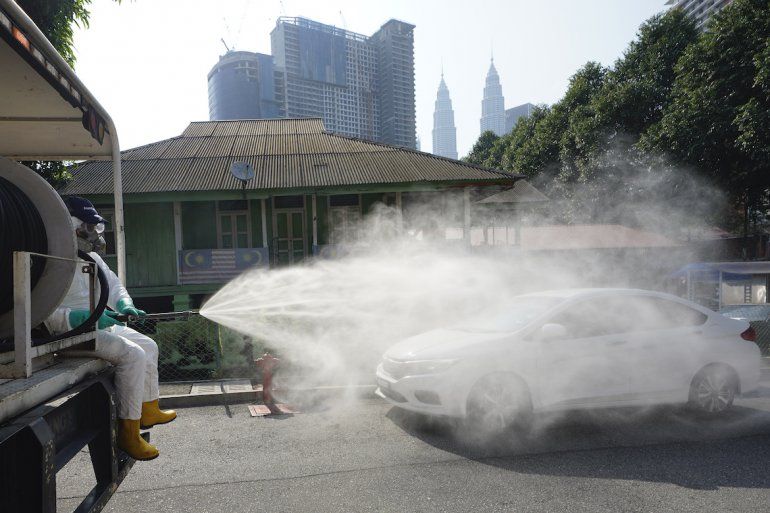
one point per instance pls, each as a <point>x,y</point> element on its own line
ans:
<point>218,265</point>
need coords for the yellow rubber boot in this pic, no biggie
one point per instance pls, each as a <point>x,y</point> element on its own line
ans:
<point>133,444</point>
<point>152,415</point>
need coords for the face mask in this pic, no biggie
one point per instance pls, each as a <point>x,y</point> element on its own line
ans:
<point>89,236</point>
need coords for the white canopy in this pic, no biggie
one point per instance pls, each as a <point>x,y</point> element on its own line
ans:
<point>46,113</point>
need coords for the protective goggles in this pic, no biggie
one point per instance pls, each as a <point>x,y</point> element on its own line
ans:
<point>86,227</point>
<point>92,228</point>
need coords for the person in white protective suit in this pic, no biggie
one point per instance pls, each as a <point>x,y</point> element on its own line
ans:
<point>134,355</point>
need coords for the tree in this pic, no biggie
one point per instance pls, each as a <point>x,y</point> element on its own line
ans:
<point>54,171</point>
<point>55,19</point>
<point>522,154</point>
<point>562,137</point>
<point>481,150</point>
<point>701,100</point>
<point>718,118</point>
<point>637,89</point>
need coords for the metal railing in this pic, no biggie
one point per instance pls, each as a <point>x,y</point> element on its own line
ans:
<point>19,362</point>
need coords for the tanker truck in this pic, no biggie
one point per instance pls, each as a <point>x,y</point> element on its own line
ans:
<point>51,405</point>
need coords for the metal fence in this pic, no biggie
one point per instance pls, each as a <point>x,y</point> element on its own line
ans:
<point>195,348</point>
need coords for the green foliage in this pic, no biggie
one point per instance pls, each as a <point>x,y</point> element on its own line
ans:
<point>702,100</point>
<point>53,171</point>
<point>638,88</point>
<point>481,150</point>
<point>55,19</point>
<point>526,153</point>
<point>549,145</point>
<point>718,118</point>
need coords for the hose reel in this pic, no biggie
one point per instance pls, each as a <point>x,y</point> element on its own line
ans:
<point>33,218</point>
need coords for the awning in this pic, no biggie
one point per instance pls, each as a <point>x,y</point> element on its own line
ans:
<point>521,192</point>
<point>709,271</point>
<point>46,113</point>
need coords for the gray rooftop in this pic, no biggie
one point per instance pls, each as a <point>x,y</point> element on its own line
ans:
<point>285,154</point>
<point>522,192</point>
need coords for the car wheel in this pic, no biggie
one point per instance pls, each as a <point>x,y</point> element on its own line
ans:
<point>499,402</point>
<point>713,390</point>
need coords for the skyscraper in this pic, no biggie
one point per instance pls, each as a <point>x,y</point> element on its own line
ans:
<point>700,10</point>
<point>359,85</point>
<point>493,104</point>
<point>513,114</point>
<point>444,132</point>
<point>242,86</point>
<point>395,81</point>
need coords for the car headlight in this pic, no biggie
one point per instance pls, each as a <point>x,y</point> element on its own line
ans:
<point>420,367</point>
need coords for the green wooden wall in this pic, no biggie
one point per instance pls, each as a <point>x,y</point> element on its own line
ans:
<point>256,223</point>
<point>368,201</point>
<point>199,225</point>
<point>322,215</point>
<point>150,249</point>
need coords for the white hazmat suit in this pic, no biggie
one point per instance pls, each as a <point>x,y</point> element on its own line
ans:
<point>134,355</point>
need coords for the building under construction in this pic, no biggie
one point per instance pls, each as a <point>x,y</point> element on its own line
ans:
<point>360,86</point>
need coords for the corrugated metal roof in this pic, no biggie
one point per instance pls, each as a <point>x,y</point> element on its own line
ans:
<point>521,192</point>
<point>285,153</point>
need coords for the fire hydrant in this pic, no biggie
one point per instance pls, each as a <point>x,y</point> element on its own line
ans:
<point>266,364</point>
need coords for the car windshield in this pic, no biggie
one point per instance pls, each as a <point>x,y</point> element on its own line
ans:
<point>513,316</point>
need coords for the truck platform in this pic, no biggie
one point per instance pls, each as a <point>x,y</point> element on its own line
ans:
<point>46,420</point>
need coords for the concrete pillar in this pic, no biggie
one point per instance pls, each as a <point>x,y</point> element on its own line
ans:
<point>399,213</point>
<point>467,216</point>
<point>178,236</point>
<point>264,222</point>
<point>315,221</point>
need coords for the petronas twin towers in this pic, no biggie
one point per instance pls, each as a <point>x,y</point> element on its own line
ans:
<point>493,104</point>
<point>444,132</point>
<point>492,114</point>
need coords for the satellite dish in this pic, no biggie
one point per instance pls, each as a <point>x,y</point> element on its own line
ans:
<point>242,171</point>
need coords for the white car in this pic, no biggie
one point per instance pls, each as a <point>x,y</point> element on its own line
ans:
<point>573,349</point>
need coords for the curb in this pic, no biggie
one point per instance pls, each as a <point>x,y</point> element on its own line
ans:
<point>221,399</point>
<point>255,396</point>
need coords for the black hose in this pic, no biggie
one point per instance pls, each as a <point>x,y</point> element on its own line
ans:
<point>90,323</point>
<point>21,229</point>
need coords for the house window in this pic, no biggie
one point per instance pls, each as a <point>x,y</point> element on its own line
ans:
<point>344,218</point>
<point>344,200</point>
<point>233,224</point>
<point>109,229</point>
<point>289,202</point>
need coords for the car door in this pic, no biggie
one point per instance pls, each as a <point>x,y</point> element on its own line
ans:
<point>662,344</point>
<point>590,366</point>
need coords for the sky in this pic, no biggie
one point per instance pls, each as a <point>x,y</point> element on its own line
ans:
<point>146,61</point>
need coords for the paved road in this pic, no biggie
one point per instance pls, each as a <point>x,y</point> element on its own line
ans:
<point>366,456</point>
